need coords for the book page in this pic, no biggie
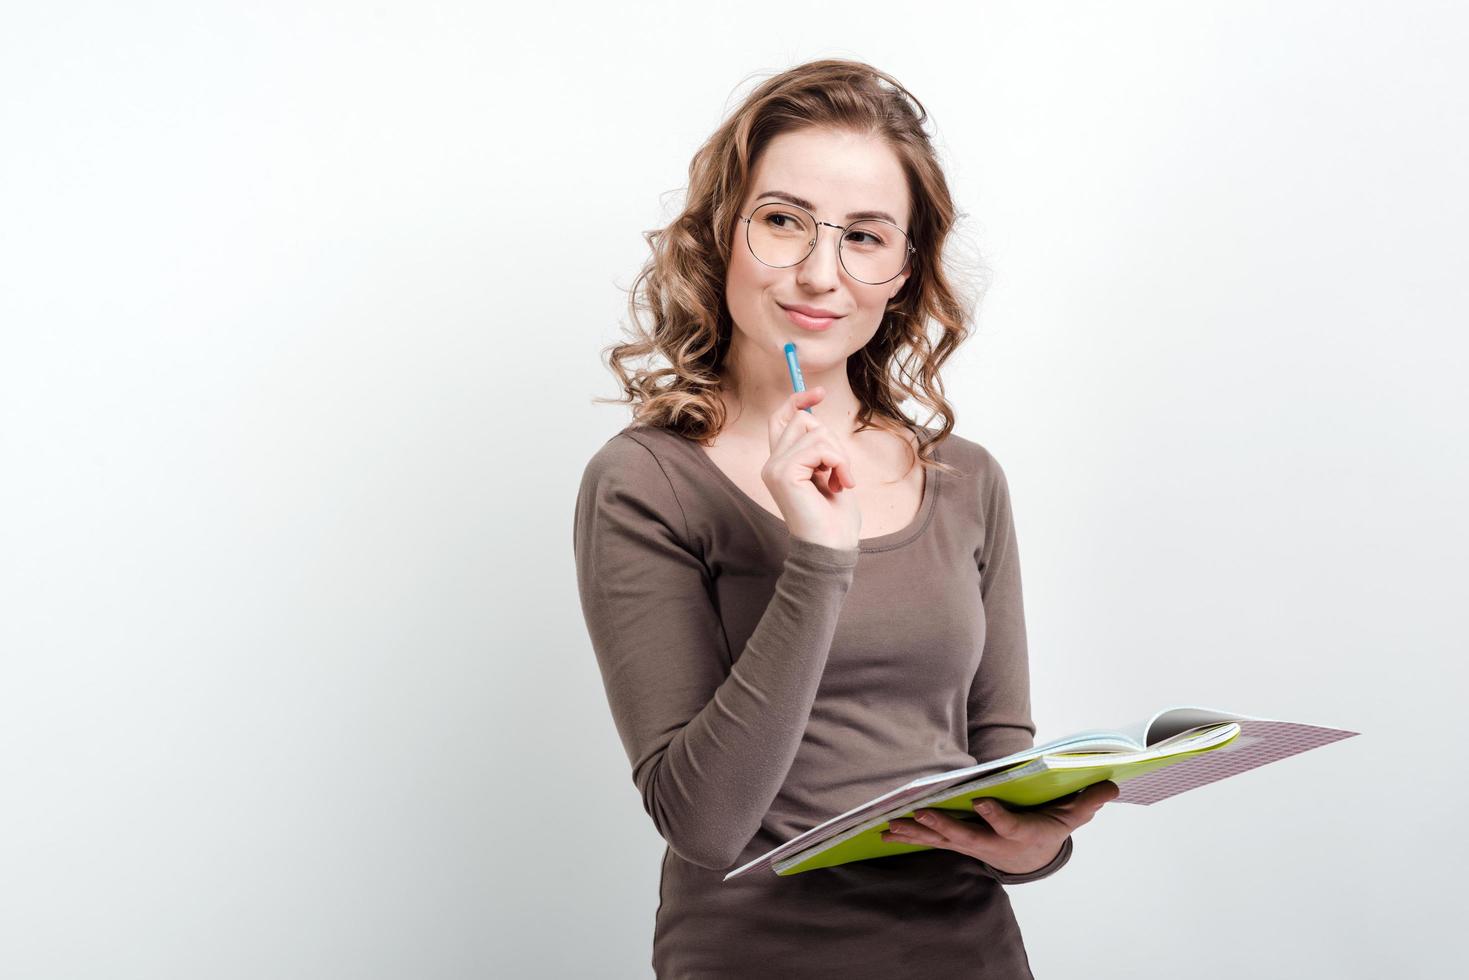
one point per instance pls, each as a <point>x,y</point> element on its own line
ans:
<point>1171,722</point>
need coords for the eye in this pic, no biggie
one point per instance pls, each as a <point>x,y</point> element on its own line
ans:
<point>871,238</point>
<point>779,219</point>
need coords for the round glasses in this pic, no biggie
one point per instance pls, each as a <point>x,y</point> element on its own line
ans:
<point>781,235</point>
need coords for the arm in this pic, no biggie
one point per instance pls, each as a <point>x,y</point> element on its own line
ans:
<point>999,699</point>
<point>710,745</point>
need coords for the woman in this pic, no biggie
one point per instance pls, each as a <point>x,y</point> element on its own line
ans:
<point>767,667</point>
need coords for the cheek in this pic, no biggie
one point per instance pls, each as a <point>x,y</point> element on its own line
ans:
<point>873,304</point>
<point>873,301</point>
<point>861,338</point>
<point>875,298</point>
<point>744,283</point>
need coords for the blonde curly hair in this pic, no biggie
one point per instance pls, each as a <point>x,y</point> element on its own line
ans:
<point>681,287</point>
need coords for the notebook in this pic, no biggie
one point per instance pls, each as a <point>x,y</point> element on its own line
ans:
<point>1175,750</point>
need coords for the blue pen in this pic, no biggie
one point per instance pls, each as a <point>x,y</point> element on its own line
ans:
<point>794,366</point>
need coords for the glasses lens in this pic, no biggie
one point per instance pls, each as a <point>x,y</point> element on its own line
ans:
<point>874,251</point>
<point>781,235</point>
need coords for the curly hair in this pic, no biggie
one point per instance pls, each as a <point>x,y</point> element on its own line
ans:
<point>682,284</point>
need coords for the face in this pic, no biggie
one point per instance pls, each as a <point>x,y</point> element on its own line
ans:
<point>839,173</point>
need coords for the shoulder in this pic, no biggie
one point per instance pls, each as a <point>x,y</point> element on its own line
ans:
<point>638,452</point>
<point>628,460</point>
<point>978,486</point>
<point>635,470</point>
<point>972,459</point>
<point>623,450</point>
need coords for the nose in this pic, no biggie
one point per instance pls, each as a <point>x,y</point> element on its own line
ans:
<point>820,270</point>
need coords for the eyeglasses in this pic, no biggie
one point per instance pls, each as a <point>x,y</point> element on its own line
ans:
<point>781,235</point>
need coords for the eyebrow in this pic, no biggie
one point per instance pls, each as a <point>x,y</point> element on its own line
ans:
<point>803,203</point>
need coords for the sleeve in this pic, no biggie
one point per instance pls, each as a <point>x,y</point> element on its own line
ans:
<point>710,744</point>
<point>999,699</point>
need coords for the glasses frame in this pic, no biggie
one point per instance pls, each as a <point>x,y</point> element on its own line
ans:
<point>811,246</point>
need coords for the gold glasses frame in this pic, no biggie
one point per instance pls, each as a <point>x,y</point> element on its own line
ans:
<point>811,246</point>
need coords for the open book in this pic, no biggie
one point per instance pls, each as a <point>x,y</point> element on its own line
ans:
<point>1176,750</point>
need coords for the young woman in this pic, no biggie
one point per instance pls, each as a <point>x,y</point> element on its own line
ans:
<point>794,611</point>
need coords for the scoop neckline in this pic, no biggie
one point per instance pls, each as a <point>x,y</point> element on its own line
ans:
<point>882,542</point>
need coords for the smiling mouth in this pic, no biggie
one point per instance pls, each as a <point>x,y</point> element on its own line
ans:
<point>809,322</point>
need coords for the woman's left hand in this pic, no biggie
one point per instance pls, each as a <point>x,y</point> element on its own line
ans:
<point>1011,841</point>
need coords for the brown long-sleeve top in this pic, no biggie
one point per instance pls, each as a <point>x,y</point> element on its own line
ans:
<point>762,684</point>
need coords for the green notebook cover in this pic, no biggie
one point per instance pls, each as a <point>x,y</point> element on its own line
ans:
<point>1028,784</point>
<point>1175,750</point>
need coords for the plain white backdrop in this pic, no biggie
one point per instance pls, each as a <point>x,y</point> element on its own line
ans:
<point>302,308</point>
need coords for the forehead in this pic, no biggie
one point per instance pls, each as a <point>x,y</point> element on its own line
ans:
<point>839,172</point>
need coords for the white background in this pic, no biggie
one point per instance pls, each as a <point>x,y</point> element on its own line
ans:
<point>293,675</point>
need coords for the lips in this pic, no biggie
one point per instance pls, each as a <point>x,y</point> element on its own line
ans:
<point>813,319</point>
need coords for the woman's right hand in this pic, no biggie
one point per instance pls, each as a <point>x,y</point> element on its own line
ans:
<point>810,477</point>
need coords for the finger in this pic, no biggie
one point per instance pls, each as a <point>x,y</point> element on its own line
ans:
<point>1091,799</point>
<point>817,451</point>
<point>1082,806</point>
<point>835,470</point>
<point>960,834</point>
<point>998,818</point>
<point>798,426</point>
<point>790,410</point>
<point>910,832</point>
<point>832,480</point>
